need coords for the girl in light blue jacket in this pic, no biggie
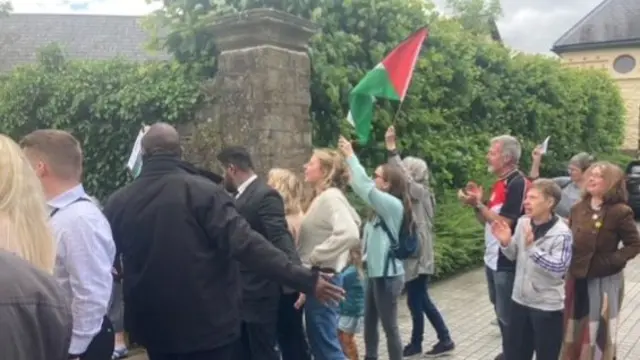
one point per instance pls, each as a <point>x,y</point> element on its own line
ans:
<point>388,197</point>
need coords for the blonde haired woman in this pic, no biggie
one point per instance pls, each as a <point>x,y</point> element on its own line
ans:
<point>27,256</point>
<point>287,183</point>
<point>24,228</point>
<point>328,230</point>
<point>291,334</point>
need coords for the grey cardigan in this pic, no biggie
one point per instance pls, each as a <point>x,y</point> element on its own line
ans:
<point>540,268</point>
<point>423,214</point>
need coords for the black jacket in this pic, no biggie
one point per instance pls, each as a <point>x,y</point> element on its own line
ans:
<point>263,208</point>
<point>180,236</point>
<point>34,313</point>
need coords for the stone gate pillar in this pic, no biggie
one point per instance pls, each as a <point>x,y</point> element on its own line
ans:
<point>260,97</point>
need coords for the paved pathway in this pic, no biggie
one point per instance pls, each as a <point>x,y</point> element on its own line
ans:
<point>465,304</point>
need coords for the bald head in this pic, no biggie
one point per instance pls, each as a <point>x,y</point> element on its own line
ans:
<point>161,138</point>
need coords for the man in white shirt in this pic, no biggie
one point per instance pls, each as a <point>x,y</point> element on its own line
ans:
<point>85,247</point>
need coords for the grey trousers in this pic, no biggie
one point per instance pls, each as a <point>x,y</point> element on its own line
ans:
<point>381,303</point>
<point>116,308</point>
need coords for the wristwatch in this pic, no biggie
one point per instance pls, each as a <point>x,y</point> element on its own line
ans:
<point>480,206</point>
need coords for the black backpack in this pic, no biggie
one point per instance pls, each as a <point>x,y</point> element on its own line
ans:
<point>405,246</point>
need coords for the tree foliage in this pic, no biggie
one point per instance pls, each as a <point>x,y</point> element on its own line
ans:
<point>5,8</point>
<point>103,103</point>
<point>465,88</point>
<point>476,16</point>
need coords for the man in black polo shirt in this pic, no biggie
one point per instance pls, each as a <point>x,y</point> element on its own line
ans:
<point>505,204</point>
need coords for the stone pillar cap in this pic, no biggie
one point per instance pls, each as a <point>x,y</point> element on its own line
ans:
<point>259,27</point>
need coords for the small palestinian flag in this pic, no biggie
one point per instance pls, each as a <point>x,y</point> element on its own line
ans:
<point>389,80</point>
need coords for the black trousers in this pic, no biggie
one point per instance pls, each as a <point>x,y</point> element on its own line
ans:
<point>101,347</point>
<point>257,342</point>
<point>291,335</point>
<point>532,330</point>
<point>222,353</point>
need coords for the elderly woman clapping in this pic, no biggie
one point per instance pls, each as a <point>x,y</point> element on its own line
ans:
<point>419,268</point>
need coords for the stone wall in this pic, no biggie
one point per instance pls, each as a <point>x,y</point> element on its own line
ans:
<point>260,97</point>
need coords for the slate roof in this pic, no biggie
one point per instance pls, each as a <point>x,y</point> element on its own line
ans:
<point>613,23</point>
<point>96,37</point>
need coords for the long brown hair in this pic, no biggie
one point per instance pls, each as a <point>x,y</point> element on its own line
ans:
<point>398,187</point>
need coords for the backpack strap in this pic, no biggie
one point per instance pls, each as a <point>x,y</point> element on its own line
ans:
<point>393,241</point>
<point>55,211</point>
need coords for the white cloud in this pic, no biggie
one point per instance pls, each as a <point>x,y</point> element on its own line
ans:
<point>109,7</point>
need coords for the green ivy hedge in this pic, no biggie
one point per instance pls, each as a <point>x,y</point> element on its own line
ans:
<point>103,103</point>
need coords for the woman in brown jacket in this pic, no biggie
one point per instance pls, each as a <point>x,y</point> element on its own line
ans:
<point>600,223</point>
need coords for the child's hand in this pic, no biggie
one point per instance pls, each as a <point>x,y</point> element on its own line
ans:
<point>300,302</point>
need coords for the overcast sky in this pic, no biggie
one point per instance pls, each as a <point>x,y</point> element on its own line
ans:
<point>527,25</point>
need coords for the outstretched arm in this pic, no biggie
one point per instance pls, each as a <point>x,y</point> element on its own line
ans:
<point>383,203</point>
<point>232,234</point>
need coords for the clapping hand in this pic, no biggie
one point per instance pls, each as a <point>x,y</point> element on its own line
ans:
<point>345,146</point>
<point>528,233</point>
<point>502,232</point>
<point>471,195</point>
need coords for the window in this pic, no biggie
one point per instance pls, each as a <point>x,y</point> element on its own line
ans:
<point>624,64</point>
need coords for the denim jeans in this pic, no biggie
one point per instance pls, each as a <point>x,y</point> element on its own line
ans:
<point>420,304</point>
<point>500,284</point>
<point>322,327</point>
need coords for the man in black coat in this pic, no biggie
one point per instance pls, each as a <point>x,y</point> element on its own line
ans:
<point>181,239</point>
<point>263,208</point>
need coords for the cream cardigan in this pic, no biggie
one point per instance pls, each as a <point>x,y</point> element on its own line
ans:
<point>328,230</point>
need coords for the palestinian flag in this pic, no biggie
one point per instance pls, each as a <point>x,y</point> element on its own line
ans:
<point>389,80</point>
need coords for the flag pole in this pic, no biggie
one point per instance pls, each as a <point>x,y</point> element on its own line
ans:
<point>395,116</point>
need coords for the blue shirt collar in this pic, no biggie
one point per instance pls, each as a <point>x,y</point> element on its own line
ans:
<point>66,198</point>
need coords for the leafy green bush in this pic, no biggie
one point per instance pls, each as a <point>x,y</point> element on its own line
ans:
<point>465,90</point>
<point>103,103</point>
<point>459,241</point>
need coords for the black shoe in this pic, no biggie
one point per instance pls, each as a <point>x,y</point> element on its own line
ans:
<point>411,350</point>
<point>499,357</point>
<point>440,349</point>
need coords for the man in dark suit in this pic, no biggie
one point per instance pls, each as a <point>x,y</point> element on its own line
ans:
<point>263,209</point>
<point>182,242</point>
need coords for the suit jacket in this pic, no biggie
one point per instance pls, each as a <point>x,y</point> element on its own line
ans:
<point>263,208</point>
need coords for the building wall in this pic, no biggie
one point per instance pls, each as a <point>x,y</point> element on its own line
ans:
<point>629,83</point>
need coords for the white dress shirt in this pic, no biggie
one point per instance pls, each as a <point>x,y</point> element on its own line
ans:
<point>85,254</point>
<point>245,185</point>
